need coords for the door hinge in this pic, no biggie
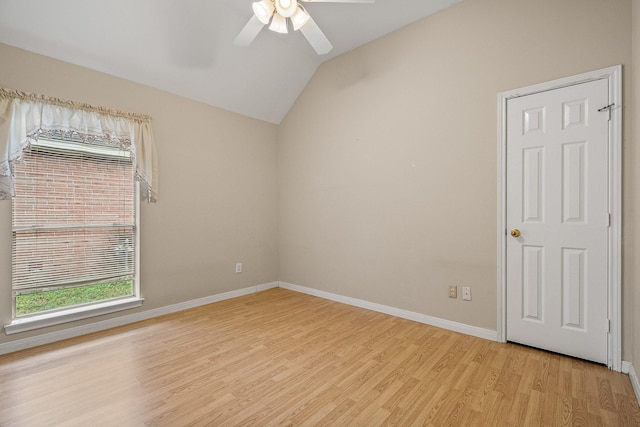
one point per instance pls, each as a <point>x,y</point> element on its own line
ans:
<point>609,220</point>
<point>608,325</point>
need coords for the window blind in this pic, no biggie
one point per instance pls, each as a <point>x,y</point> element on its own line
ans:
<point>73,216</point>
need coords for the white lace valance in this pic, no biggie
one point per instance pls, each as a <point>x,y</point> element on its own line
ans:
<point>24,117</point>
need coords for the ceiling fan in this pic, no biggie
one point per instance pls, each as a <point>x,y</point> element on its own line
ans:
<point>279,12</point>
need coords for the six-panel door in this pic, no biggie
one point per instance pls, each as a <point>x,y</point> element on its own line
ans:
<point>557,198</point>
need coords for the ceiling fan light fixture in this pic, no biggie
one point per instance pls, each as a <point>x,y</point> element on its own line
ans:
<point>263,10</point>
<point>279,24</point>
<point>299,18</point>
<point>275,14</point>
<point>286,8</point>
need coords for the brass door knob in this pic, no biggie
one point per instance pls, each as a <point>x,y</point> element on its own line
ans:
<point>515,233</point>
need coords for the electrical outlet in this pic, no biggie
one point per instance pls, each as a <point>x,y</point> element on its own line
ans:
<point>238,267</point>
<point>453,291</point>
<point>466,293</point>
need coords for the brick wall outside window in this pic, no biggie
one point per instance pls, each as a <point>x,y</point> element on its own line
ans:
<point>55,192</point>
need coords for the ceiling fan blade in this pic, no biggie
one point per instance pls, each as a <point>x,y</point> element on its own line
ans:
<point>249,32</point>
<point>316,37</point>
<point>339,1</point>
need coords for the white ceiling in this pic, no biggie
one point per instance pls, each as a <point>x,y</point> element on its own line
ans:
<point>186,46</point>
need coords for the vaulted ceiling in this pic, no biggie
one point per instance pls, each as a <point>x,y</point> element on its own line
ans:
<point>186,47</point>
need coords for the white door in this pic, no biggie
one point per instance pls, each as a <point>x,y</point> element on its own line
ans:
<point>557,201</point>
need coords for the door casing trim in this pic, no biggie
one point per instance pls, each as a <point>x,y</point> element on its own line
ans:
<point>614,77</point>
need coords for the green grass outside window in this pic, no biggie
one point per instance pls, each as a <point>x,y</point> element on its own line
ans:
<point>50,300</point>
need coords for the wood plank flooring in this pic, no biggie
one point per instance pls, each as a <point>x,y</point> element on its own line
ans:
<point>283,358</point>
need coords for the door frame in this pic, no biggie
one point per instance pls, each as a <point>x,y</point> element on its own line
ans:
<point>614,292</point>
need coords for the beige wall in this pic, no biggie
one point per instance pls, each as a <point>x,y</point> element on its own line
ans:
<point>632,258</point>
<point>387,174</point>
<point>217,202</point>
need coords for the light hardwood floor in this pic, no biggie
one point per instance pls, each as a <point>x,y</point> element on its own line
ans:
<point>283,358</point>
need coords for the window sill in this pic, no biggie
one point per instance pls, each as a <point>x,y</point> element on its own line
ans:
<point>38,321</point>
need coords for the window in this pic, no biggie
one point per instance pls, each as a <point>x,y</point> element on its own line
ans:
<point>74,226</point>
<point>74,173</point>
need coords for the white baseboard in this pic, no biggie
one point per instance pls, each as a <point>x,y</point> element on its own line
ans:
<point>50,337</point>
<point>627,368</point>
<point>405,314</point>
